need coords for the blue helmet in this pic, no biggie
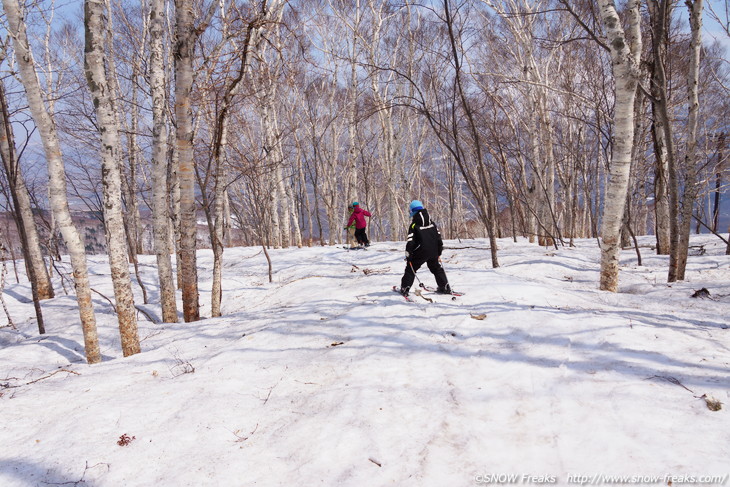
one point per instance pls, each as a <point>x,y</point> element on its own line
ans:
<point>415,206</point>
<point>355,203</point>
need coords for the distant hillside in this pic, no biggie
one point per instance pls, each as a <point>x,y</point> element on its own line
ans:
<point>91,227</point>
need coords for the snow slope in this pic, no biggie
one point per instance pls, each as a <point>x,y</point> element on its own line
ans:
<point>327,377</point>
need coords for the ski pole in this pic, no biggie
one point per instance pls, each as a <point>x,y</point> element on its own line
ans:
<point>420,284</point>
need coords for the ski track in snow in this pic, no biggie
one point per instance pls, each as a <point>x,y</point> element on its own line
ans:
<point>327,377</point>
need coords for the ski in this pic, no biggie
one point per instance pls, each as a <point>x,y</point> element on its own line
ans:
<point>407,298</point>
<point>420,293</point>
<point>435,291</point>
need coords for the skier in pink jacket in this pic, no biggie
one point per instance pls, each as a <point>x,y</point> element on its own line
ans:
<point>358,216</point>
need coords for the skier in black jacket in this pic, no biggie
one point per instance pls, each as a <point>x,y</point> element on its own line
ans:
<point>423,245</point>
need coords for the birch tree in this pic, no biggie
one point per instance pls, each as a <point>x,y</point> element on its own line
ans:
<point>186,34</point>
<point>46,124</point>
<point>665,194</point>
<point>128,37</point>
<point>16,181</point>
<point>625,49</point>
<point>381,83</point>
<point>522,20</point>
<point>678,257</point>
<point>351,186</point>
<point>480,182</point>
<point>40,282</point>
<point>220,144</point>
<point>102,94</point>
<point>269,71</point>
<point>160,203</point>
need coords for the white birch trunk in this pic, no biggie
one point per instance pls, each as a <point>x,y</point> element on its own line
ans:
<point>160,206</point>
<point>269,135</point>
<point>184,50</point>
<point>220,144</point>
<point>130,208</point>
<point>351,165</point>
<point>56,175</point>
<point>33,258</point>
<point>304,194</point>
<point>37,270</point>
<point>625,52</point>
<point>102,96</point>
<point>661,195</point>
<point>217,234</point>
<point>388,142</point>
<point>283,196</point>
<point>691,183</point>
<point>227,222</point>
<point>174,203</point>
<point>659,15</point>
<point>294,231</point>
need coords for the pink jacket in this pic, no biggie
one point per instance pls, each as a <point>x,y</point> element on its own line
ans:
<point>358,215</point>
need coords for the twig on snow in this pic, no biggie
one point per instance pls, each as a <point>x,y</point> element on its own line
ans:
<point>244,438</point>
<point>81,480</point>
<point>672,380</point>
<point>51,375</point>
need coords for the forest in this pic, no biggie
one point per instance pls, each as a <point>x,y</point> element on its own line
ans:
<point>198,124</point>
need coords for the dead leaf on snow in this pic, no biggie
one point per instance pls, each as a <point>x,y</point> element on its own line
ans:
<point>712,403</point>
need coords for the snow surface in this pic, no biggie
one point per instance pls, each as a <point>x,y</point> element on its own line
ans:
<point>327,377</point>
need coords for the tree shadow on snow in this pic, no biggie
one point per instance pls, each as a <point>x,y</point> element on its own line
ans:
<point>68,349</point>
<point>23,472</point>
<point>499,339</point>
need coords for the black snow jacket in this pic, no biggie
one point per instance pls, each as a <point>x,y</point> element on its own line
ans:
<point>424,240</point>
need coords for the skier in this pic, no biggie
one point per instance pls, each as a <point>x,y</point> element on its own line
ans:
<point>358,216</point>
<point>423,245</point>
<point>351,241</point>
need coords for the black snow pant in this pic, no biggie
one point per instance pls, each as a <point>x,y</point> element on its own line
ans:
<point>433,265</point>
<point>361,236</point>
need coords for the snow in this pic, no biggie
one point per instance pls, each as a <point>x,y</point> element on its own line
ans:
<point>327,377</point>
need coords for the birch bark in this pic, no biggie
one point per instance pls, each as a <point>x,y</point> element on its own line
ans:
<point>625,50</point>
<point>160,205</point>
<point>23,214</point>
<point>352,179</point>
<point>31,241</point>
<point>678,262</point>
<point>56,176</point>
<point>184,48</point>
<point>186,34</point>
<point>103,99</point>
<point>388,137</point>
<point>665,196</point>
<point>130,213</point>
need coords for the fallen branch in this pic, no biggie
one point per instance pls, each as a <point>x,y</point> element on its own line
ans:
<point>418,293</point>
<point>149,317</point>
<point>181,367</point>
<point>671,380</point>
<point>369,272</point>
<point>110,301</point>
<point>51,375</point>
